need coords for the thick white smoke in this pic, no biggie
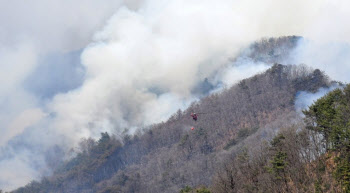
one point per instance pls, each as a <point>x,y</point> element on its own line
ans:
<point>142,65</point>
<point>327,43</point>
<point>30,30</point>
<point>168,46</point>
<point>331,57</point>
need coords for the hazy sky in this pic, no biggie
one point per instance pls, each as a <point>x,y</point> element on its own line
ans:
<point>74,68</point>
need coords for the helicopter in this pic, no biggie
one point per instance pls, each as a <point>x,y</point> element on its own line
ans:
<point>195,117</point>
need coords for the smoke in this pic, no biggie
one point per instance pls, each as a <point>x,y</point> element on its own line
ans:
<point>29,32</point>
<point>140,62</point>
<point>330,57</point>
<point>327,42</point>
<point>327,47</point>
<point>47,78</point>
<point>53,25</point>
<point>165,46</point>
<point>305,99</point>
<point>240,69</point>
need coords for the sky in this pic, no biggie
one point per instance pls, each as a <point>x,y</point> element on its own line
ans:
<point>72,69</point>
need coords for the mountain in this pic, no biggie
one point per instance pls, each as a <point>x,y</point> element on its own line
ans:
<point>308,156</point>
<point>241,132</point>
<point>169,156</point>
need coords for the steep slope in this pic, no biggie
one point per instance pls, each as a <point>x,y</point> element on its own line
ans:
<point>169,156</point>
<point>310,156</point>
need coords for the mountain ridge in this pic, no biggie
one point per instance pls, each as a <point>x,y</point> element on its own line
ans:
<point>170,151</point>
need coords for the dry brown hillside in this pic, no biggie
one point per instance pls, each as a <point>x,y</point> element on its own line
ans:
<point>168,156</point>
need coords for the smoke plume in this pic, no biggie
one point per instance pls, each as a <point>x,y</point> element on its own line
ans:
<point>140,61</point>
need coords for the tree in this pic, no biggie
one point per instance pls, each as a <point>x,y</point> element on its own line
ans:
<point>330,116</point>
<point>186,189</point>
<point>324,117</point>
<point>202,190</point>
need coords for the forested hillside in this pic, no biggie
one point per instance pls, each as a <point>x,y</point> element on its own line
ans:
<point>175,96</point>
<point>168,156</point>
<point>310,157</point>
<point>248,138</point>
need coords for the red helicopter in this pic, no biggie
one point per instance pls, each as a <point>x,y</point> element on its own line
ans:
<point>195,117</point>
